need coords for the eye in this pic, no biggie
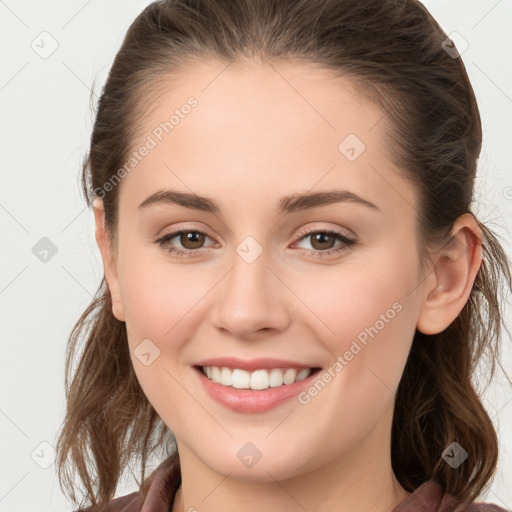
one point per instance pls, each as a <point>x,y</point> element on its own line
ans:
<point>323,238</point>
<point>192,241</point>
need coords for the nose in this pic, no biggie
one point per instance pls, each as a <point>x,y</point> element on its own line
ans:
<point>252,298</point>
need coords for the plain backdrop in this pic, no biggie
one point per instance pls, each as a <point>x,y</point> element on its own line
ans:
<point>46,121</point>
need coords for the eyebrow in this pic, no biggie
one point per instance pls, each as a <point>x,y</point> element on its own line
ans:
<point>287,204</point>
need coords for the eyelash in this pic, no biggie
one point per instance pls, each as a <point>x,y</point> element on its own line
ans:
<point>348,242</point>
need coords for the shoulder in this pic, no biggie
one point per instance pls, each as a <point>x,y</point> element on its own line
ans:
<point>472,506</point>
<point>480,507</point>
<point>129,503</point>
<point>155,495</point>
<point>430,497</point>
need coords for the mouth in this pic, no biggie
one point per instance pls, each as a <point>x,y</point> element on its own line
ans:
<point>258,380</point>
<point>254,391</point>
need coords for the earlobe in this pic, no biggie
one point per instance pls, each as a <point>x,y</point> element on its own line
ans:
<point>107,256</point>
<point>451,280</point>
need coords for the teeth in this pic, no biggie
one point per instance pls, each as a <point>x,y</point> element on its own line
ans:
<point>304,373</point>
<point>225,377</point>
<point>239,378</point>
<point>289,376</point>
<point>276,378</point>
<point>259,379</point>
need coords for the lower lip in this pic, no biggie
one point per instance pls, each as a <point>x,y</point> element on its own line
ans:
<point>253,401</point>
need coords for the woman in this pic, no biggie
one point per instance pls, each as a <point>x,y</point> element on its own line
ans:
<point>232,141</point>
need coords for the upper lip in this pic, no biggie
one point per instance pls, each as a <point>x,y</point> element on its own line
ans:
<point>252,364</point>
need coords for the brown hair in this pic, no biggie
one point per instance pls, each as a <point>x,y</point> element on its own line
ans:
<point>393,50</point>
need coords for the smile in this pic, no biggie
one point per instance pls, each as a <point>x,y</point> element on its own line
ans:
<point>258,391</point>
<point>256,380</point>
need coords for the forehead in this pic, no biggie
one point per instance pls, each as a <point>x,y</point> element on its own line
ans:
<point>256,129</point>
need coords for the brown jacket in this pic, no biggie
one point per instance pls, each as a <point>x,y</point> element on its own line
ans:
<point>166,479</point>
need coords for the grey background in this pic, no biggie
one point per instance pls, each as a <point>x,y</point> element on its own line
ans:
<point>46,124</point>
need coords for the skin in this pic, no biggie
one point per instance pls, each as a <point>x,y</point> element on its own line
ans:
<point>252,139</point>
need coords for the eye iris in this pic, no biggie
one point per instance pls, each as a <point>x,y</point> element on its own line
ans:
<point>189,236</point>
<point>315,239</point>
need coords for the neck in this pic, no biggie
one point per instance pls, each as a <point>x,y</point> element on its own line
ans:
<point>279,497</point>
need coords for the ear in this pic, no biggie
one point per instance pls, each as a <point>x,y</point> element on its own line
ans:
<point>451,280</point>
<point>109,263</point>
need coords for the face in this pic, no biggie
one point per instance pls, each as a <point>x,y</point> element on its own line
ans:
<point>321,284</point>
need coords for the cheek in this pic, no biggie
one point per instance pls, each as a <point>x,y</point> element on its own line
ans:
<point>154,291</point>
<point>158,301</point>
<point>163,302</point>
<point>351,298</point>
<point>365,315</point>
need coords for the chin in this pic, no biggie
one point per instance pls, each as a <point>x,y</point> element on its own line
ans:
<point>264,465</point>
